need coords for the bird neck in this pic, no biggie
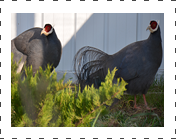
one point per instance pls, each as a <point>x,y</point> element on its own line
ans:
<point>154,47</point>
<point>50,36</point>
<point>155,37</point>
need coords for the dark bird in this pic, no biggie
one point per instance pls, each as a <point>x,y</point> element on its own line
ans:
<point>37,47</point>
<point>137,64</point>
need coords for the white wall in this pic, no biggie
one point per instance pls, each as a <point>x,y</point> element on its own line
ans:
<point>109,32</point>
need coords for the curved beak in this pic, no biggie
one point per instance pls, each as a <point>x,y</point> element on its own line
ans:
<point>42,32</point>
<point>148,27</point>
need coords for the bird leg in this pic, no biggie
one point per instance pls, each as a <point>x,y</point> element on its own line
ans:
<point>135,107</point>
<point>148,108</point>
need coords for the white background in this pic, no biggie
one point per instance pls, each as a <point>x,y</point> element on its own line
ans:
<point>89,6</point>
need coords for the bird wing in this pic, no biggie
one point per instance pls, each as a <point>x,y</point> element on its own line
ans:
<point>126,70</point>
<point>36,54</point>
<point>29,47</point>
<point>18,56</point>
<point>23,40</point>
<point>130,64</point>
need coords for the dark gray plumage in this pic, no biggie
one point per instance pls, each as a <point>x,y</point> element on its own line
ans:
<point>137,63</point>
<point>37,47</point>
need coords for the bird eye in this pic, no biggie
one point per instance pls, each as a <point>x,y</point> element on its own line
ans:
<point>153,24</point>
<point>47,28</point>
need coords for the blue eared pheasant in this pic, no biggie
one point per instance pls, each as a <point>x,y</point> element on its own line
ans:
<point>137,64</point>
<point>37,47</point>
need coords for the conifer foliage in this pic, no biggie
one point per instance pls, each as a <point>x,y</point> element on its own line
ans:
<point>42,101</point>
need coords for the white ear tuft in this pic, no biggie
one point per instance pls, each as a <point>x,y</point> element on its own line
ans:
<point>158,22</point>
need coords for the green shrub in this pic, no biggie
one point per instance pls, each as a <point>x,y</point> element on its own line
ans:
<point>42,101</point>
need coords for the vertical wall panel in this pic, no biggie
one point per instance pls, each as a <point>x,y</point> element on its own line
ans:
<point>98,29</point>
<point>112,34</point>
<point>13,26</point>
<point>81,27</point>
<point>89,30</point>
<point>48,18</point>
<point>38,20</point>
<point>68,41</point>
<point>122,31</point>
<point>130,28</point>
<point>143,22</point>
<point>106,32</point>
<point>58,26</point>
<point>24,21</point>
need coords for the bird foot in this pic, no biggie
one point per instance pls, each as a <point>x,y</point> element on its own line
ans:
<point>148,108</point>
<point>137,108</point>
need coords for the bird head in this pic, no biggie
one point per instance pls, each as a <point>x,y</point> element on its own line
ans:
<point>153,26</point>
<point>48,29</point>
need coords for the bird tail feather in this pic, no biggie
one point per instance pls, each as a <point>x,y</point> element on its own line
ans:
<point>89,63</point>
